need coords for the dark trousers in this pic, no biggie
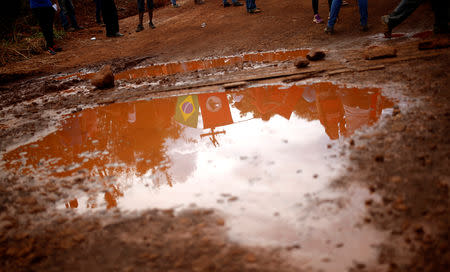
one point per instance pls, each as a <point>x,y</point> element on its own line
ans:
<point>110,17</point>
<point>315,6</point>
<point>45,17</point>
<point>98,11</point>
<point>407,7</point>
<point>67,10</point>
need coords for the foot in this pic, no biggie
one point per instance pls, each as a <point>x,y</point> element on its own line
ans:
<point>387,29</point>
<point>237,4</point>
<point>176,6</point>
<point>69,29</point>
<point>56,48</point>
<point>317,19</point>
<point>364,28</point>
<point>255,10</point>
<point>151,25</point>
<point>51,51</point>
<point>115,35</point>
<point>79,28</point>
<point>139,28</point>
<point>199,2</point>
<point>329,30</point>
<point>345,3</point>
<point>226,5</point>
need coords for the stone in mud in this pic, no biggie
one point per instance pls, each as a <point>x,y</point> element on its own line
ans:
<point>314,55</point>
<point>380,52</point>
<point>434,44</point>
<point>104,78</point>
<point>301,62</point>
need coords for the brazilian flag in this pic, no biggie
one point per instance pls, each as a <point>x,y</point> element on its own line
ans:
<point>186,110</point>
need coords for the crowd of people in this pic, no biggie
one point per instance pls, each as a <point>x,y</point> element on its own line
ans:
<point>44,11</point>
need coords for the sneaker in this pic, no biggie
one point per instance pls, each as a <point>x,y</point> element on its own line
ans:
<point>199,2</point>
<point>151,25</point>
<point>51,51</point>
<point>139,28</point>
<point>56,48</point>
<point>176,6</point>
<point>69,29</point>
<point>329,30</point>
<point>387,29</point>
<point>255,10</point>
<point>79,28</point>
<point>364,28</point>
<point>345,3</point>
<point>317,19</point>
<point>226,5</point>
<point>237,4</point>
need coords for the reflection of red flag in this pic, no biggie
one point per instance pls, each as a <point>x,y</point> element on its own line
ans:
<point>215,110</point>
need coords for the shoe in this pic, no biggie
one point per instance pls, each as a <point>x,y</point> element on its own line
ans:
<point>345,3</point>
<point>139,28</point>
<point>79,28</point>
<point>387,30</point>
<point>226,5</point>
<point>176,6</point>
<point>237,4</point>
<point>329,30</point>
<point>51,51</point>
<point>69,29</point>
<point>317,19</point>
<point>364,28</point>
<point>115,35</point>
<point>56,48</point>
<point>151,25</point>
<point>199,2</point>
<point>255,10</point>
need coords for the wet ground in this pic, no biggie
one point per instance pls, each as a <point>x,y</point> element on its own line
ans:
<point>233,163</point>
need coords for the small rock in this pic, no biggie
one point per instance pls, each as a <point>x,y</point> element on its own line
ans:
<point>380,52</point>
<point>301,62</point>
<point>315,55</point>
<point>104,78</point>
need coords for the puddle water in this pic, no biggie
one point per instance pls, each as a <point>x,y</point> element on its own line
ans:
<point>165,69</point>
<point>261,156</point>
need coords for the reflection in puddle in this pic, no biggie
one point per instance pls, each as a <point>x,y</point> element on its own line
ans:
<point>198,65</point>
<point>258,155</point>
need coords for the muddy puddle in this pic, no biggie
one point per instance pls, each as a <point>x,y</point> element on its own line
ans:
<point>165,69</point>
<point>263,156</point>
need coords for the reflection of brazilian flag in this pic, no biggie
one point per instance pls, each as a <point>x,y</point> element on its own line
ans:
<point>186,111</point>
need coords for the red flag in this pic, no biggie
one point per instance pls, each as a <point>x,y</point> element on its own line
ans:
<point>215,110</point>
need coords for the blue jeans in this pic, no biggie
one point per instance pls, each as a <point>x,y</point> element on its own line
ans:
<point>250,4</point>
<point>336,6</point>
<point>174,2</point>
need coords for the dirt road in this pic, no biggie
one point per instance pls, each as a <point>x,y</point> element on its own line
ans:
<point>298,175</point>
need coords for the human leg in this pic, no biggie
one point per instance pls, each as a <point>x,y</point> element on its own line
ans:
<point>63,14</point>
<point>71,13</point>
<point>403,11</point>
<point>363,14</point>
<point>334,13</point>
<point>440,9</point>
<point>150,7</point>
<point>315,6</point>
<point>110,18</point>
<point>98,11</point>
<point>45,16</point>
<point>250,4</point>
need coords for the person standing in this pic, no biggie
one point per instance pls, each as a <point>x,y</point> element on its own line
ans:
<point>141,9</point>
<point>334,13</point>
<point>67,10</point>
<point>407,7</point>
<point>44,13</point>
<point>251,6</point>
<point>110,18</point>
<point>98,11</point>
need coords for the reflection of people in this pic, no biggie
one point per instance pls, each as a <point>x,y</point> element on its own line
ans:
<point>360,108</point>
<point>331,113</point>
<point>407,7</point>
